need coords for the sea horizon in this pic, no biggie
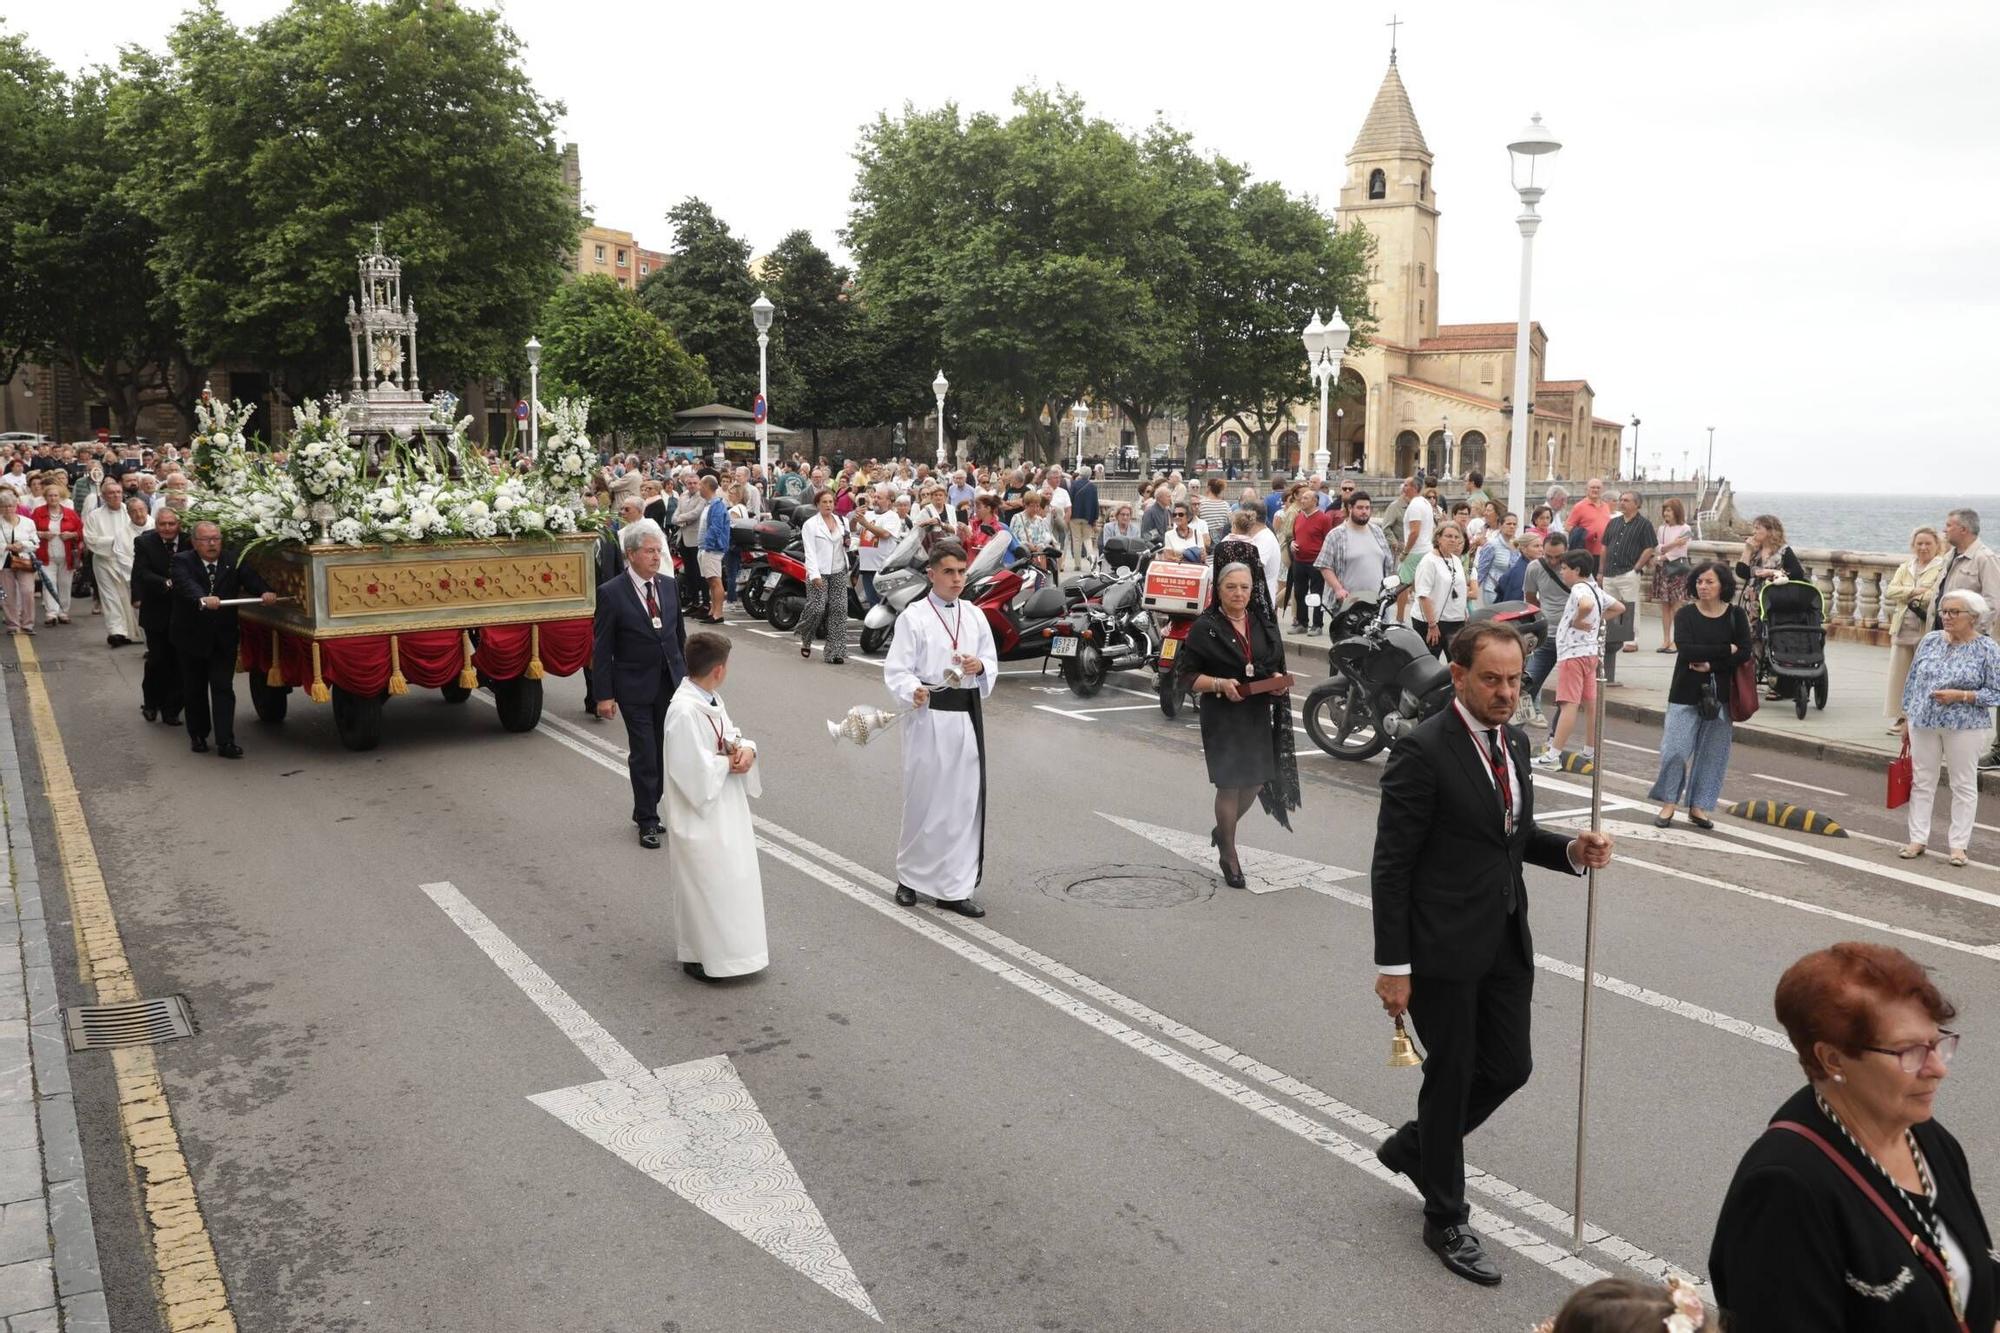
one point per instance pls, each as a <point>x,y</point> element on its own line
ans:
<point>1862,521</point>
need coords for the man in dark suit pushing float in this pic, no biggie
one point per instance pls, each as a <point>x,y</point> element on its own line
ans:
<point>204,634</point>
<point>1452,946</point>
<point>638,660</point>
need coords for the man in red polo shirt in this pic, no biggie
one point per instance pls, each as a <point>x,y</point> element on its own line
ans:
<point>1308,535</point>
<point>1588,518</point>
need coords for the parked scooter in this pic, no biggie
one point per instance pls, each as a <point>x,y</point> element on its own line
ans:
<point>898,583</point>
<point>1022,605</point>
<point>1177,591</point>
<point>1385,679</point>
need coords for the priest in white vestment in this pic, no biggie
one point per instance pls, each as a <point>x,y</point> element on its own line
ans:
<point>108,535</point>
<point>942,849</point>
<point>711,846</point>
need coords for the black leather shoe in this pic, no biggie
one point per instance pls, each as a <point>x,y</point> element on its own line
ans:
<point>1389,1157</point>
<point>150,713</point>
<point>174,720</point>
<point>199,745</point>
<point>230,751</point>
<point>649,838</point>
<point>1700,822</point>
<point>905,896</point>
<point>694,970</point>
<point>962,906</point>
<point>1458,1248</point>
<point>1664,821</point>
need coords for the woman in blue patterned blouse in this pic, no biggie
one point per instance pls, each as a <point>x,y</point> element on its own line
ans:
<point>1954,685</point>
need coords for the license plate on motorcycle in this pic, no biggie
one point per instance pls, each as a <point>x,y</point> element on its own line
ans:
<point>773,579</point>
<point>1168,649</point>
<point>1063,646</point>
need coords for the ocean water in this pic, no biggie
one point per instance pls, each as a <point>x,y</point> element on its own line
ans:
<point>1864,522</point>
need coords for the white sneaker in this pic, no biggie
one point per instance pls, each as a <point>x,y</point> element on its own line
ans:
<point>1547,758</point>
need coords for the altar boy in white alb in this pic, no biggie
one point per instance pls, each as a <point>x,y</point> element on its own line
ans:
<point>711,847</point>
<point>941,664</point>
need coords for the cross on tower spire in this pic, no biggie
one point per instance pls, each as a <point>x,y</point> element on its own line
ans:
<point>1393,24</point>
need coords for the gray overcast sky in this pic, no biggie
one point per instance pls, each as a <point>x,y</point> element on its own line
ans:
<point>1773,218</point>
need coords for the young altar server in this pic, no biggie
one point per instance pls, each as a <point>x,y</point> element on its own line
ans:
<point>943,844</point>
<point>711,848</point>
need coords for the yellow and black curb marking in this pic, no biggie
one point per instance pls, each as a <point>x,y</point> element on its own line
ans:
<point>186,1276</point>
<point>1573,762</point>
<point>1794,817</point>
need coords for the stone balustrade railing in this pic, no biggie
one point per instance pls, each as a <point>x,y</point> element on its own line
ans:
<point>1851,582</point>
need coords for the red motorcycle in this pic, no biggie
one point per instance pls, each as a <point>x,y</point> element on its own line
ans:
<point>1178,591</point>
<point>1023,606</point>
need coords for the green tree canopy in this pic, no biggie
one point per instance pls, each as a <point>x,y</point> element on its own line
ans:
<point>263,158</point>
<point>1051,255</point>
<point>599,342</point>
<point>703,293</point>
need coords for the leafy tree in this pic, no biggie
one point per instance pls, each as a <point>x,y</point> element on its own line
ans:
<point>703,293</point>
<point>264,157</point>
<point>32,110</point>
<point>599,342</point>
<point>99,309</point>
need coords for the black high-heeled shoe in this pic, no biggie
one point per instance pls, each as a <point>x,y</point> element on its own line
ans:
<point>1215,837</point>
<point>1233,876</point>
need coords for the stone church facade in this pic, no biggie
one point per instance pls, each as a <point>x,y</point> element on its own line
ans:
<point>1419,378</point>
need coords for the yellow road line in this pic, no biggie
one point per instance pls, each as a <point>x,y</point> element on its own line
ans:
<point>186,1276</point>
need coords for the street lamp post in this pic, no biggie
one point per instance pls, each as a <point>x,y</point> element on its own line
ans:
<point>1339,438</point>
<point>1552,457</point>
<point>938,387</point>
<point>1530,177</point>
<point>1082,414</point>
<point>1444,424</point>
<point>1635,446</point>
<point>534,397</point>
<point>761,311</point>
<point>1325,344</point>
<point>1709,475</point>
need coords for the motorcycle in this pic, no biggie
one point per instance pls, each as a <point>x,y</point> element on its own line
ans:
<point>1385,680</point>
<point>1178,591</point>
<point>1022,604</point>
<point>898,583</point>
<point>752,582</point>
<point>1114,634</point>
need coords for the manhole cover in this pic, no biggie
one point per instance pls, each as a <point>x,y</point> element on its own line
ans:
<point>1127,886</point>
<point>140,1023</point>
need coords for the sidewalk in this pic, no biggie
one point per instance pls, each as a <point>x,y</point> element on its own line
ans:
<point>1852,729</point>
<point>48,1248</point>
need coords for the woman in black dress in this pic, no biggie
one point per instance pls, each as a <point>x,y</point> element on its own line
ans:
<point>1246,738</point>
<point>1854,1212</point>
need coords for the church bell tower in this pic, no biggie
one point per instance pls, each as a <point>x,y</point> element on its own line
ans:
<point>1388,191</point>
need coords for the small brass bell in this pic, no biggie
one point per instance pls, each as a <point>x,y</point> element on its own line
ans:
<point>1403,1051</point>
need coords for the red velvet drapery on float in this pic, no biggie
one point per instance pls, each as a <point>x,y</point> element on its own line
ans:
<point>368,664</point>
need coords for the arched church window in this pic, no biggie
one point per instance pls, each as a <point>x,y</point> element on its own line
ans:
<point>1378,184</point>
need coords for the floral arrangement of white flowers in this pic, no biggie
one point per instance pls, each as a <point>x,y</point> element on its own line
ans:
<point>322,463</point>
<point>323,493</point>
<point>221,451</point>
<point>567,457</point>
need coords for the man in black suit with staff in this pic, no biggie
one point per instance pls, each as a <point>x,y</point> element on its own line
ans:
<point>1452,945</point>
<point>204,634</point>
<point>638,659</point>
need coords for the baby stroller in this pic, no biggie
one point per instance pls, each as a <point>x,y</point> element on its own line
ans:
<point>1792,653</point>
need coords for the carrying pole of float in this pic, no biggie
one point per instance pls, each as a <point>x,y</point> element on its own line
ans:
<point>1589,932</point>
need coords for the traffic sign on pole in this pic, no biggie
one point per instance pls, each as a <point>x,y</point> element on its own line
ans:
<point>521,409</point>
<point>759,410</point>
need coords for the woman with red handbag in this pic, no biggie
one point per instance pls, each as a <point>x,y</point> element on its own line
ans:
<point>1954,686</point>
<point>1854,1211</point>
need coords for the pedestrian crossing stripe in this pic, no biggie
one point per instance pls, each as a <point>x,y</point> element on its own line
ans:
<point>1782,815</point>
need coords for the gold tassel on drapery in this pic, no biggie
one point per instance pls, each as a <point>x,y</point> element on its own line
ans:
<point>320,693</point>
<point>397,685</point>
<point>242,657</point>
<point>534,652</point>
<point>274,677</point>
<point>468,675</point>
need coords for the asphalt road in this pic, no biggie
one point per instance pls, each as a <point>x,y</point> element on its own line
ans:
<point>1130,1098</point>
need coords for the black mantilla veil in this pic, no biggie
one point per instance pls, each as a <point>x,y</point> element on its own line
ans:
<point>1281,794</point>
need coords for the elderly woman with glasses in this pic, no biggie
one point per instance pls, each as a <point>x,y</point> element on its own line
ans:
<point>1854,1211</point>
<point>1953,687</point>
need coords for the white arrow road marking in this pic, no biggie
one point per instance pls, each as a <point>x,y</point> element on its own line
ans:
<point>1263,872</point>
<point>1625,830</point>
<point>1325,878</point>
<point>693,1127</point>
